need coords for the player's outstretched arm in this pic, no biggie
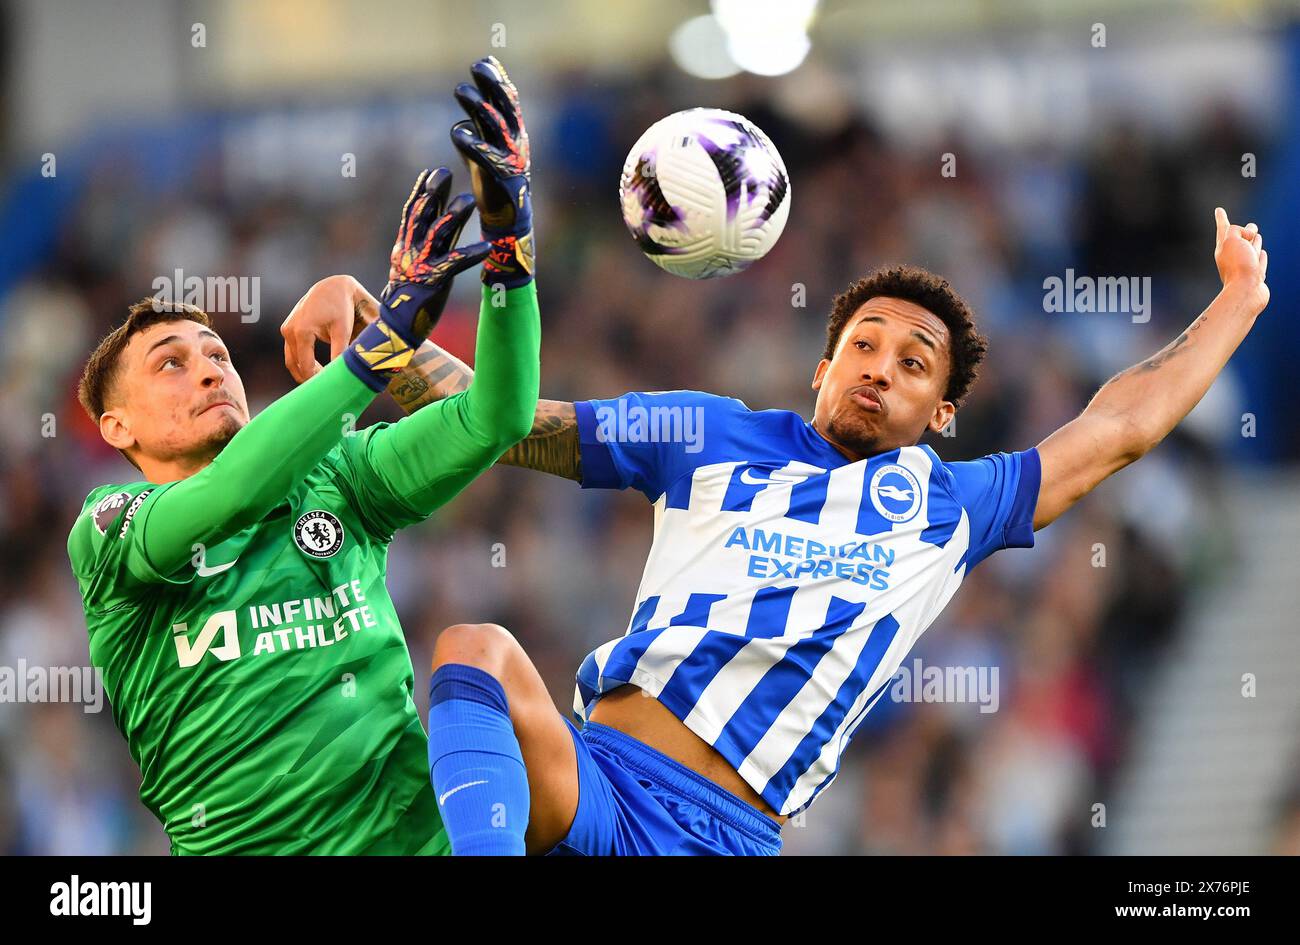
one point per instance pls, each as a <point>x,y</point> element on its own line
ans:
<point>413,467</point>
<point>494,143</point>
<point>1138,407</point>
<point>551,445</point>
<point>337,306</point>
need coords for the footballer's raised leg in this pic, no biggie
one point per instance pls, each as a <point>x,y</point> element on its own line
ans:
<point>501,758</point>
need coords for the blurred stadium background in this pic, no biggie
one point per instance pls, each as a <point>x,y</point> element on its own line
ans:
<point>1120,685</point>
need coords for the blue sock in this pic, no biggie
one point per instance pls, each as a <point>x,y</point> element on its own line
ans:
<point>475,763</point>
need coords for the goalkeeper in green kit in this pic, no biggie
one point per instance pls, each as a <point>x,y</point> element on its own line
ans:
<point>235,598</point>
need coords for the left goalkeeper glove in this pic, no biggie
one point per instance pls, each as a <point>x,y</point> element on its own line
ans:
<point>421,268</point>
<point>494,144</point>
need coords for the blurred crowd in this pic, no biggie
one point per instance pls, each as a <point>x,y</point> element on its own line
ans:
<point>1074,642</point>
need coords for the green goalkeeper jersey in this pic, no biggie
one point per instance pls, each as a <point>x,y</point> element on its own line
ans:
<point>251,654</point>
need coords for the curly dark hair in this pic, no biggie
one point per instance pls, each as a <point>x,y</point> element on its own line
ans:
<point>931,292</point>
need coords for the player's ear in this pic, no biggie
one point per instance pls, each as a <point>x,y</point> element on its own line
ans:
<point>116,430</point>
<point>943,414</point>
<point>822,366</point>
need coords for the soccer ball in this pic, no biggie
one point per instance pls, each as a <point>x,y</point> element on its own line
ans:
<point>704,193</point>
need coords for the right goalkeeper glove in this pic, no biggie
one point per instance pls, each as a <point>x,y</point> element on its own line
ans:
<point>494,144</point>
<point>421,268</point>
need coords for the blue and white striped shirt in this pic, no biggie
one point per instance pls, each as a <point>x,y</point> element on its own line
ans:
<point>785,585</point>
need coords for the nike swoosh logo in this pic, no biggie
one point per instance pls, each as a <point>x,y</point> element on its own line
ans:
<point>459,787</point>
<point>748,478</point>
<point>205,571</point>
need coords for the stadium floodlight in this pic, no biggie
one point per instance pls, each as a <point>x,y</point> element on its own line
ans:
<point>699,47</point>
<point>766,37</point>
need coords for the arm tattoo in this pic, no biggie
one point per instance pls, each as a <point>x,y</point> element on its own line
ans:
<point>432,375</point>
<point>552,446</point>
<point>1157,360</point>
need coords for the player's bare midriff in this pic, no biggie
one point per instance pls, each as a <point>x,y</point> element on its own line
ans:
<point>646,719</point>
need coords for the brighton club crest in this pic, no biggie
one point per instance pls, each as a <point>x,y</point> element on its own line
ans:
<point>318,533</point>
<point>895,493</point>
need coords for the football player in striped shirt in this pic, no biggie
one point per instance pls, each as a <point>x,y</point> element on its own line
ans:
<point>794,564</point>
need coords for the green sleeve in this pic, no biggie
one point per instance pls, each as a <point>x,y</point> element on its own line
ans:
<point>255,471</point>
<point>402,472</point>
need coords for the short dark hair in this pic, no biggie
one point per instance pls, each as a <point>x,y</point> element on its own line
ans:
<point>933,293</point>
<point>100,373</point>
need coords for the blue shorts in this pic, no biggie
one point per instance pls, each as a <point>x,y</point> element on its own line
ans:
<point>635,801</point>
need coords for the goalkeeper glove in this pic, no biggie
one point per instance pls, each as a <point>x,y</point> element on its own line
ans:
<point>494,144</point>
<point>423,263</point>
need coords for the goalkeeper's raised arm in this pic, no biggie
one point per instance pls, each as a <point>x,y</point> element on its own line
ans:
<point>471,424</point>
<point>408,469</point>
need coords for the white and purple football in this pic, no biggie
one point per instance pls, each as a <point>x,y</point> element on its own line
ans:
<point>704,193</point>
